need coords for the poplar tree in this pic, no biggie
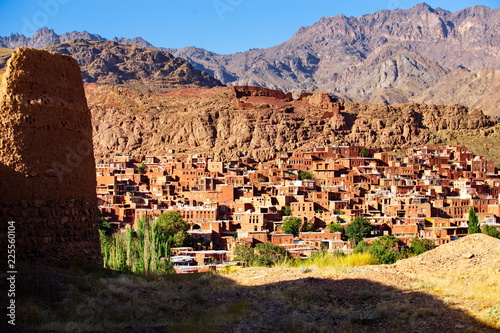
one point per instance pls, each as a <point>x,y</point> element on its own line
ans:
<point>473,222</point>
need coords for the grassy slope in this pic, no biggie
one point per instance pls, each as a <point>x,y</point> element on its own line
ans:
<point>325,296</point>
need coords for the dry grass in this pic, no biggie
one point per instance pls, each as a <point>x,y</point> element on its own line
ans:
<point>283,299</point>
<point>478,286</point>
<point>327,264</point>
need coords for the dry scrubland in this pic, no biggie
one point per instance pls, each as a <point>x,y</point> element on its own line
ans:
<point>454,288</point>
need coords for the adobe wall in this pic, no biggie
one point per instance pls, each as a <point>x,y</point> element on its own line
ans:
<point>47,167</point>
<point>241,91</point>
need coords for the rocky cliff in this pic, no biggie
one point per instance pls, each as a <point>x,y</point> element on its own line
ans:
<point>230,122</point>
<point>142,69</point>
<point>47,183</point>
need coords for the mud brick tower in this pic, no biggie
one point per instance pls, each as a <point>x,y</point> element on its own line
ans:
<point>47,167</point>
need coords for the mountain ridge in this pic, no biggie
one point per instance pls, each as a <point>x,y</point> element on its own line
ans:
<point>390,56</point>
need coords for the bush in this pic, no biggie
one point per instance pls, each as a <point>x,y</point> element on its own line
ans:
<point>358,230</point>
<point>421,245</point>
<point>362,247</point>
<point>269,254</point>
<point>291,225</point>
<point>491,231</point>
<point>336,227</point>
<point>142,168</point>
<point>264,254</point>
<point>303,175</point>
<point>245,254</point>
<point>384,249</point>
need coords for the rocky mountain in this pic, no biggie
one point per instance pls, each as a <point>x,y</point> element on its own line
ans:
<point>478,89</point>
<point>389,56</point>
<point>234,121</point>
<point>45,37</point>
<point>145,70</point>
<point>395,56</point>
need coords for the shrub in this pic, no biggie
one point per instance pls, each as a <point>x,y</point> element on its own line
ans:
<point>491,231</point>
<point>245,254</point>
<point>384,249</point>
<point>142,168</point>
<point>264,254</point>
<point>362,247</point>
<point>303,175</point>
<point>336,227</point>
<point>359,229</point>
<point>421,245</point>
<point>268,254</point>
<point>291,225</point>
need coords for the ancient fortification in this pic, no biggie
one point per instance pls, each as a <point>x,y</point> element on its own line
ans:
<point>47,167</point>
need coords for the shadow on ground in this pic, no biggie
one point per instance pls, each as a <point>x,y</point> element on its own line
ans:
<point>77,299</point>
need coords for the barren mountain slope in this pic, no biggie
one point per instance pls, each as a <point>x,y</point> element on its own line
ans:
<point>219,122</point>
<point>143,69</point>
<point>389,57</point>
<point>478,89</point>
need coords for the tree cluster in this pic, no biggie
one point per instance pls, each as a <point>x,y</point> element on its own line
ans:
<point>387,250</point>
<point>263,254</point>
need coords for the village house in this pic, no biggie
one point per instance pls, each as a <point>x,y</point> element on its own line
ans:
<point>427,193</point>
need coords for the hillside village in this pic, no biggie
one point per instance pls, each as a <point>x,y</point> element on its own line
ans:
<point>426,194</point>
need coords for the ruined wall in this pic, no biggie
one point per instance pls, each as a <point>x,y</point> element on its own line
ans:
<point>241,91</point>
<point>47,168</point>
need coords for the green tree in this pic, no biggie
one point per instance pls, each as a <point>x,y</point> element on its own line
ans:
<point>364,152</point>
<point>245,254</point>
<point>142,168</point>
<point>181,238</point>
<point>287,211</point>
<point>421,245</point>
<point>307,227</point>
<point>303,175</point>
<point>336,227</point>
<point>103,225</point>
<point>291,225</point>
<point>362,247</point>
<point>171,223</point>
<point>358,230</point>
<point>384,249</point>
<point>268,254</point>
<point>491,231</point>
<point>473,222</point>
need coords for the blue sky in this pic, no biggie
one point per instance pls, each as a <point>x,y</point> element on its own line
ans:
<point>222,26</point>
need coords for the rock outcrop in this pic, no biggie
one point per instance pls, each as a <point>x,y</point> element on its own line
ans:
<point>146,70</point>
<point>228,122</point>
<point>47,183</point>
